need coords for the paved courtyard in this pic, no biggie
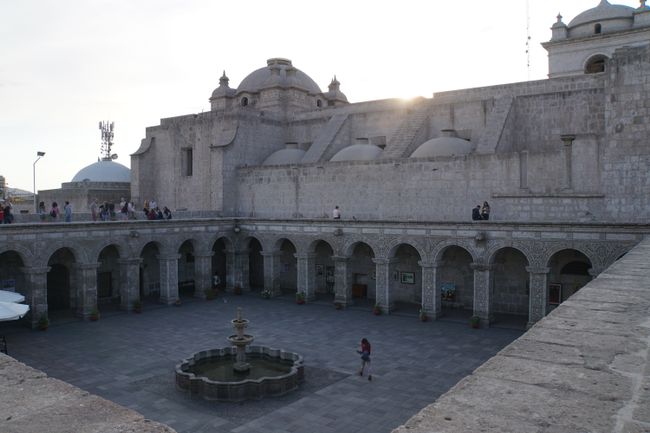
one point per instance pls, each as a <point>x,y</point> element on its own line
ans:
<point>129,359</point>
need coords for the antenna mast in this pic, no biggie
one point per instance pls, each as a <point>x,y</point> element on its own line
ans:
<point>528,39</point>
<point>107,139</point>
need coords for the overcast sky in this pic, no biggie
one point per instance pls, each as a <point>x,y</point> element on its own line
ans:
<point>67,64</point>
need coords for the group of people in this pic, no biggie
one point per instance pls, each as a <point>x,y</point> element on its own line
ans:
<point>153,212</point>
<point>55,212</point>
<point>481,212</point>
<point>6,217</point>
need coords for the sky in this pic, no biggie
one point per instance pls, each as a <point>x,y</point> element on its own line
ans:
<point>66,65</point>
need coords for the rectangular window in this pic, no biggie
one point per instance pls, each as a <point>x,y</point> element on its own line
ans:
<point>186,161</point>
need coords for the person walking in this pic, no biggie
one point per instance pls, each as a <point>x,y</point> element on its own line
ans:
<point>485,211</point>
<point>67,211</point>
<point>336,213</point>
<point>365,358</point>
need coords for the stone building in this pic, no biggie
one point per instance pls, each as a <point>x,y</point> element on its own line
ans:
<point>563,163</point>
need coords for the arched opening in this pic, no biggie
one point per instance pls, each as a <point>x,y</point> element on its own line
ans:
<point>405,278</point>
<point>61,296</point>
<point>455,280</point>
<point>108,276</point>
<point>595,65</point>
<point>319,103</point>
<point>510,291</point>
<point>362,270</point>
<point>150,272</point>
<point>219,265</point>
<point>568,273</point>
<point>244,101</point>
<point>598,29</point>
<point>12,278</point>
<point>288,272</point>
<point>324,271</point>
<point>186,269</point>
<point>255,265</point>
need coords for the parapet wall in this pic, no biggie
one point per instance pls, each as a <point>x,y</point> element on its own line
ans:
<point>584,368</point>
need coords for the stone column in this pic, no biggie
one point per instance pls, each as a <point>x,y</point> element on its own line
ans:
<point>168,278</point>
<point>86,288</point>
<point>36,293</point>
<point>272,272</point>
<point>307,275</point>
<point>537,298</point>
<point>202,274</point>
<point>482,292</point>
<point>342,281</point>
<point>239,266</point>
<point>129,282</point>
<point>567,140</point>
<point>430,289</point>
<point>382,272</point>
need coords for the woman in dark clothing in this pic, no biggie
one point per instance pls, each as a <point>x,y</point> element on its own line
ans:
<point>365,358</point>
<point>485,211</point>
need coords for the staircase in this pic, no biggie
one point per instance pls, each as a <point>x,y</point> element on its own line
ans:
<point>494,125</point>
<point>326,136</point>
<point>402,143</point>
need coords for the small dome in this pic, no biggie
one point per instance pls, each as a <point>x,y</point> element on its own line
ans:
<point>604,11</point>
<point>285,156</point>
<point>358,152</point>
<point>278,72</point>
<point>103,171</point>
<point>443,146</point>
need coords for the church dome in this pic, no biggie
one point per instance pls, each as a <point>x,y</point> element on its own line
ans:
<point>443,146</point>
<point>285,156</point>
<point>603,12</point>
<point>105,170</point>
<point>358,152</point>
<point>278,72</point>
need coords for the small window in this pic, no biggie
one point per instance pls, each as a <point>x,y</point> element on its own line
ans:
<point>598,29</point>
<point>595,65</point>
<point>186,161</point>
<point>319,103</point>
<point>244,101</point>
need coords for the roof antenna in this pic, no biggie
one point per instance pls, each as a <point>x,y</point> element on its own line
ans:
<point>528,38</point>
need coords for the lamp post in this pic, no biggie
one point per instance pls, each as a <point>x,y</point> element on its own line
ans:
<point>40,155</point>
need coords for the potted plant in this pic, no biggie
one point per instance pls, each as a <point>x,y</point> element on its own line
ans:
<point>376,310</point>
<point>94,315</point>
<point>237,290</point>
<point>177,303</point>
<point>210,294</point>
<point>266,294</point>
<point>137,306</point>
<point>300,298</point>
<point>43,323</point>
<point>423,315</point>
<point>338,305</point>
<point>475,322</point>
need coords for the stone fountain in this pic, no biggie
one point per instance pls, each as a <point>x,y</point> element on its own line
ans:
<point>240,371</point>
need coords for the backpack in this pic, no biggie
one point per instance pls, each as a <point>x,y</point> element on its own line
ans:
<point>53,213</point>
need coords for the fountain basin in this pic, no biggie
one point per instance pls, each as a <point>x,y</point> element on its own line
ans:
<point>209,374</point>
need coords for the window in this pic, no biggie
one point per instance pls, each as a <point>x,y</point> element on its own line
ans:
<point>319,103</point>
<point>244,101</point>
<point>186,161</point>
<point>595,65</point>
<point>598,29</point>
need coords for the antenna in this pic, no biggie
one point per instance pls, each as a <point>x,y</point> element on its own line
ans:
<point>528,39</point>
<point>107,140</point>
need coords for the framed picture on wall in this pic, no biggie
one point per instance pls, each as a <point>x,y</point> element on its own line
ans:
<point>407,277</point>
<point>554,293</point>
<point>319,270</point>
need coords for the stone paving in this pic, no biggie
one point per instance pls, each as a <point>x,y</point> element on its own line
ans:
<point>129,359</point>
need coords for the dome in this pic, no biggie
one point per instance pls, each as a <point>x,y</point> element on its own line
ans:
<point>278,72</point>
<point>443,146</point>
<point>103,171</point>
<point>604,11</point>
<point>358,152</point>
<point>285,156</point>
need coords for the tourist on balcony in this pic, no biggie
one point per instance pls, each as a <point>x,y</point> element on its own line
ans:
<point>476,213</point>
<point>485,211</point>
<point>336,213</point>
<point>54,211</point>
<point>93,209</point>
<point>67,211</point>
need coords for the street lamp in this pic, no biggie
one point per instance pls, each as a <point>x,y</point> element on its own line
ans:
<point>40,155</point>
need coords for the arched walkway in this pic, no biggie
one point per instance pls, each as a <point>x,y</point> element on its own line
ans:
<point>186,283</point>
<point>108,276</point>
<point>568,273</point>
<point>509,289</point>
<point>324,270</point>
<point>288,272</point>
<point>11,276</point>
<point>61,278</point>
<point>456,282</point>
<point>150,272</point>
<point>405,278</point>
<point>220,264</point>
<point>255,265</point>
<point>363,277</point>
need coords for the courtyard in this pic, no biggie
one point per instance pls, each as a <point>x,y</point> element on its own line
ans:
<point>129,359</point>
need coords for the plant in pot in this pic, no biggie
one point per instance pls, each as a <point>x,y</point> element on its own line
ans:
<point>475,322</point>
<point>43,323</point>
<point>237,290</point>
<point>300,298</point>
<point>423,315</point>
<point>338,305</point>
<point>266,294</point>
<point>137,306</point>
<point>94,315</point>
<point>177,302</point>
<point>376,310</point>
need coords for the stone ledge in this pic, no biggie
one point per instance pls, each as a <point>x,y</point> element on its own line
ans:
<point>30,401</point>
<point>585,367</point>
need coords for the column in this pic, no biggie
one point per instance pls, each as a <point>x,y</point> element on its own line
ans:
<point>567,140</point>
<point>382,272</point>
<point>431,303</point>
<point>537,298</point>
<point>482,301</point>
<point>86,289</point>
<point>238,265</point>
<point>307,275</point>
<point>129,282</point>
<point>342,281</point>
<point>36,293</point>
<point>168,278</point>
<point>272,272</point>
<point>202,274</point>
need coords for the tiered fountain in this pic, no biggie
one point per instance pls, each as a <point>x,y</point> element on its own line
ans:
<point>241,371</point>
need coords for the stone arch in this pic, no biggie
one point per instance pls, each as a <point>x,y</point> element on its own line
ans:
<point>185,267</point>
<point>510,283</point>
<point>494,249</point>
<point>25,254</point>
<point>97,249</point>
<point>361,268</point>
<point>413,243</point>
<point>62,279</point>
<point>548,254</point>
<point>439,250</point>
<point>149,284</point>
<point>80,254</point>
<point>324,266</point>
<point>405,274</point>
<point>455,278</point>
<point>287,271</point>
<point>595,63</point>
<point>12,277</point>
<point>349,246</point>
<point>568,272</point>
<point>108,273</point>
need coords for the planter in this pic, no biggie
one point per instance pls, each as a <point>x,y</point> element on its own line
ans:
<point>300,301</point>
<point>43,323</point>
<point>376,311</point>
<point>424,318</point>
<point>94,316</point>
<point>475,322</point>
<point>137,307</point>
<point>237,290</point>
<point>338,305</point>
<point>177,303</point>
